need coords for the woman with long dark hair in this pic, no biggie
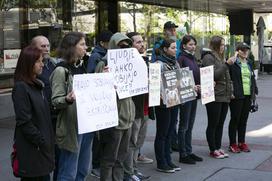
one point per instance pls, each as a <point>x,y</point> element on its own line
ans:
<point>166,56</point>
<point>74,158</point>
<point>34,136</point>
<point>217,110</point>
<point>188,109</point>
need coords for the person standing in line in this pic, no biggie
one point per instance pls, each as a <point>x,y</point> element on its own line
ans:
<point>169,31</point>
<point>165,124</point>
<point>188,109</point>
<point>114,141</point>
<point>217,110</point>
<point>34,135</point>
<point>244,91</point>
<point>42,43</point>
<point>75,149</point>
<point>99,51</point>
<point>139,126</point>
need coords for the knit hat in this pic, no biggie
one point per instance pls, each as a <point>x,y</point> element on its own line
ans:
<point>104,36</point>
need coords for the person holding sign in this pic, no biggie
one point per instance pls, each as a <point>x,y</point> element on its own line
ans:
<point>139,126</point>
<point>166,57</point>
<point>217,110</point>
<point>115,141</point>
<point>244,91</point>
<point>188,109</point>
<point>75,149</point>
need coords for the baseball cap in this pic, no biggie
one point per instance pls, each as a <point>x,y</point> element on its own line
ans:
<point>169,24</point>
<point>242,46</point>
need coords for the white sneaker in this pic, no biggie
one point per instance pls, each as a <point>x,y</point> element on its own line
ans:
<point>222,152</point>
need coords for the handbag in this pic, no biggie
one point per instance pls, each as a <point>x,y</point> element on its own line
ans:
<point>254,106</point>
<point>14,161</point>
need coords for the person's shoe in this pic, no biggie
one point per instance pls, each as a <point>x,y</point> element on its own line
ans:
<point>234,148</point>
<point>166,169</point>
<point>243,147</point>
<point>144,160</point>
<point>175,147</point>
<point>141,176</point>
<point>222,152</point>
<point>196,158</point>
<point>187,160</point>
<point>175,167</point>
<point>216,154</point>
<point>95,173</point>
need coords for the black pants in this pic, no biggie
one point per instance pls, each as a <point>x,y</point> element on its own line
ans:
<point>42,178</point>
<point>217,112</point>
<point>96,152</point>
<point>239,110</point>
<point>165,125</point>
<point>114,148</point>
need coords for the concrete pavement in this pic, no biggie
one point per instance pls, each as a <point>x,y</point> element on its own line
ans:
<point>253,166</point>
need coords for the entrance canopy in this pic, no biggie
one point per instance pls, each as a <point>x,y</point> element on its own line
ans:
<point>214,6</point>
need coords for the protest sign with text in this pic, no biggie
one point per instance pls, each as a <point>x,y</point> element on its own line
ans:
<point>207,84</point>
<point>96,102</point>
<point>129,70</point>
<point>154,84</point>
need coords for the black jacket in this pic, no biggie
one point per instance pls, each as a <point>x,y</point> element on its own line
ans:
<point>236,77</point>
<point>34,137</point>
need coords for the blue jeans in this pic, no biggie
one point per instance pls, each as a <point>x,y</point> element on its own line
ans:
<point>186,123</point>
<point>165,127</point>
<point>75,166</point>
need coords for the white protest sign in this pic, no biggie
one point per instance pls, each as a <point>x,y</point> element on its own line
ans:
<point>95,101</point>
<point>129,70</point>
<point>154,84</point>
<point>207,84</point>
<point>11,58</point>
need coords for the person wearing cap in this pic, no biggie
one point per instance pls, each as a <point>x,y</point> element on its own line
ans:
<point>244,91</point>
<point>99,50</point>
<point>114,141</point>
<point>169,31</point>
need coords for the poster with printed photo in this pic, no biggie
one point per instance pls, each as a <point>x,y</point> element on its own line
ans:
<point>171,88</point>
<point>187,85</point>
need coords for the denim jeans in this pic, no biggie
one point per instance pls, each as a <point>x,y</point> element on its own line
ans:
<point>75,166</point>
<point>186,123</point>
<point>165,127</point>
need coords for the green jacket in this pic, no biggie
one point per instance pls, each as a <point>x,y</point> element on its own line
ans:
<point>66,127</point>
<point>126,107</point>
<point>223,88</point>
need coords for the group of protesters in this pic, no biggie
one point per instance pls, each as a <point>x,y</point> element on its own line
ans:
<point>46,133</point>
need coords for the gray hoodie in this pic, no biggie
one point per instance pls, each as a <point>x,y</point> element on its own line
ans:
<point>126,107</point>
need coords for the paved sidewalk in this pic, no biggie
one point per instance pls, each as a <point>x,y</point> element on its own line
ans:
<point>253,166</point>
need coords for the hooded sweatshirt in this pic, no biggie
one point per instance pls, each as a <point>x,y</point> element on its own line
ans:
<point>126,107</point>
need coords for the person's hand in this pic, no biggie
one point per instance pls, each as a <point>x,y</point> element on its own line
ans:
<point>106,69</point>
<point>70,97</point>
<point>232,59</point>
<point>198,88</point>
<point>232,97</point>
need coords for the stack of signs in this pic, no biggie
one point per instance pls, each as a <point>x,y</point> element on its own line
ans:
<point>177,87</point>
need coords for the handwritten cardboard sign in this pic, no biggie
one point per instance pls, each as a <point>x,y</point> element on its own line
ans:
<point>207,84</point>
<point>154,84</point>
<point>95,101</point>
<point>129,70</point>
